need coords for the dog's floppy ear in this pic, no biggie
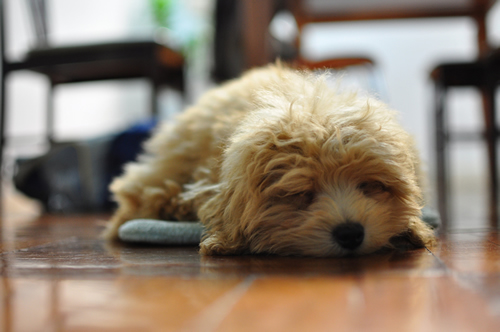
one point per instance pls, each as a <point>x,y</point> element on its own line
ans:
<point>223,237</point>
<point>417,235</point>
<point>228,215</point>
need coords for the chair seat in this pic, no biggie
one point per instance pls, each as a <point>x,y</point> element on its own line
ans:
<point>335,63</point>
<point>475,73</point>
<point>106,61</point>
<point>459,74</point>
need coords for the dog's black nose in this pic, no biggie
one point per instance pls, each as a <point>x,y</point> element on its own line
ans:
<point>349,235</point>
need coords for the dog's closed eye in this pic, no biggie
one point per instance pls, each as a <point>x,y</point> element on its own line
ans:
<point>300,200</point>
<point>373,188</point>
<point>304,199</point>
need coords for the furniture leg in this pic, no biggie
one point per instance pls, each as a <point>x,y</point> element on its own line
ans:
<point>488,95</point>
<point>441,157</point>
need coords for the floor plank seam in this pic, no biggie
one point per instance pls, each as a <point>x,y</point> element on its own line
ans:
<point>441,263</point>
<point>211,317</point>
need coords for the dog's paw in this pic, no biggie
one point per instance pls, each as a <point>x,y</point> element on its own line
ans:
<point>418,235</point>
<point>215,245</point>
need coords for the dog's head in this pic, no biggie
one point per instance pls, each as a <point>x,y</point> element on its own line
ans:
<point>305,180</point>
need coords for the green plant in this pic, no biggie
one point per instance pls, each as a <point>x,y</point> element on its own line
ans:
<point>162,12</point>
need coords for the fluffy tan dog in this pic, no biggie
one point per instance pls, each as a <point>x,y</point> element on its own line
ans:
<point>278,162</point>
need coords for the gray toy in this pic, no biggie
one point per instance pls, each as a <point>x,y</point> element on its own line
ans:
<point>161,232</point>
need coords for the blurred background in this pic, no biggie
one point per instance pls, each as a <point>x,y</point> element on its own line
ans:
<point>403,52</point>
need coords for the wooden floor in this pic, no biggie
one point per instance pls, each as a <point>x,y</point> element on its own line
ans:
<point>57,275</point>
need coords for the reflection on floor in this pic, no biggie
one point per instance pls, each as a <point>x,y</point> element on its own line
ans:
<point>58,275</point>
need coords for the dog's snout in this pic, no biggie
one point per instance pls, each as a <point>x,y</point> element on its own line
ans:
<point>349,235</point>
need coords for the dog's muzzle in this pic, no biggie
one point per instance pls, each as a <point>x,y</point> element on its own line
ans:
<point>349,235</point>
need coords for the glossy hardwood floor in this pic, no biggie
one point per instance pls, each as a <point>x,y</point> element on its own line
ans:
<point>57,275</point>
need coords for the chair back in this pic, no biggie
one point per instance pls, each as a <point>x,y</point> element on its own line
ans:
<point>2,39</point>
<point>38,13</point>
<point>38,19</point>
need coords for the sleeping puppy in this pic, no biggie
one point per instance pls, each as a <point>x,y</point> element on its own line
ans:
<point>279,162</point>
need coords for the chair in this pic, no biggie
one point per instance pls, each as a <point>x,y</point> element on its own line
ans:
<point>161,65</point>
<point>483,74</point>
<point>240,40</point>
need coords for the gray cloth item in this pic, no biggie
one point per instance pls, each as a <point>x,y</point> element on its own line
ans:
<point>161,232</point>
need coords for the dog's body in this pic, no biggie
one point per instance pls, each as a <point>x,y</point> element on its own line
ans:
<point>278,162</point>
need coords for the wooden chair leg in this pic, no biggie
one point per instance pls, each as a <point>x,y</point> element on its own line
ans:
<point>155,92</point>
<point>50,119</point>
<point>3,106</point>
<point>488,95</point>
<point>3,141</point>
<point>441,156</point>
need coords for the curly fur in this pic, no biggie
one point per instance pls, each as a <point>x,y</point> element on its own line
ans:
<point>273,162</point>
